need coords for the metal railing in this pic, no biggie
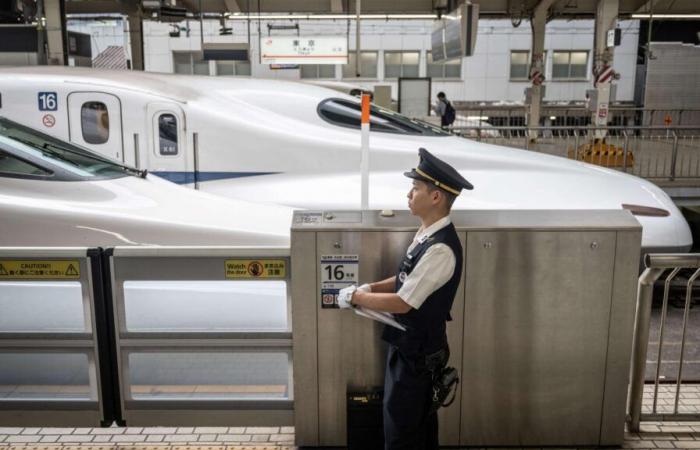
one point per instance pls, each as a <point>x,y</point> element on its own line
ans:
<point>651,152</point>
<point>572,115</point>
<point>656,265</point>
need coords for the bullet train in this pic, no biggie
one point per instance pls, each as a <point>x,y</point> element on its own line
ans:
<point>297,144</point>
<point>53,193</point>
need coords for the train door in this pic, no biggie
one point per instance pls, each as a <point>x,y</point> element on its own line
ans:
<point>167,143</point>
<point>95,122</point>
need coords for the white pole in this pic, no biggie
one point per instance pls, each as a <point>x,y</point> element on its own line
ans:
<point>364,161</point>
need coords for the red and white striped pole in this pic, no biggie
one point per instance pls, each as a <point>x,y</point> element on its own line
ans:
<point>364,161</point>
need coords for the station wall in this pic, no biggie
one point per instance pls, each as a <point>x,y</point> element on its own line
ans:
<point>486,76</point>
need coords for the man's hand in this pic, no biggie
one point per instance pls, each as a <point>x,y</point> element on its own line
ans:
<point>345,297</point>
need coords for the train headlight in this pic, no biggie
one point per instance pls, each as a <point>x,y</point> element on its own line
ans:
<point>640,210</point>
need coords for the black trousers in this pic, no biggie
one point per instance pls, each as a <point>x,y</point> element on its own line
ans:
<point>407,391</point>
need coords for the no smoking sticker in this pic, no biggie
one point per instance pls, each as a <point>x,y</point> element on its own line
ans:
<point>48,120</point>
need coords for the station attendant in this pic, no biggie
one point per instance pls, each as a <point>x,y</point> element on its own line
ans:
<point>420,296</point>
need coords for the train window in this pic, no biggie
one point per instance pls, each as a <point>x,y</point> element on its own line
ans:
<point>10,164</point>
<point>94,121</point>
<point>167,134</point>
<point>346,113</point>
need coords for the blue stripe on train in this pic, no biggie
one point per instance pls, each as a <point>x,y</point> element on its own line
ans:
<point>188,177</point>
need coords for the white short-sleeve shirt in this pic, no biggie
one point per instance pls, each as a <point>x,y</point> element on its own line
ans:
<point>434,268</point>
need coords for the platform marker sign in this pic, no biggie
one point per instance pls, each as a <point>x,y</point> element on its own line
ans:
<point>249,269</point>
<point>14,269</point>
<point>337,272</point>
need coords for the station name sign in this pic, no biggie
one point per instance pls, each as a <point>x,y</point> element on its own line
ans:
<point>304,50</point>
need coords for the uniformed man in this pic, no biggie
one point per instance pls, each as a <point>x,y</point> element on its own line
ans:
<point>420,297</point>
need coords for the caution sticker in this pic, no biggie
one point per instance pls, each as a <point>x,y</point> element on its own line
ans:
<point>256,268</point>
<point>33,269</point>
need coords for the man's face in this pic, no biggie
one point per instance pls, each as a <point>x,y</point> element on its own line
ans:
<point>420,199</point>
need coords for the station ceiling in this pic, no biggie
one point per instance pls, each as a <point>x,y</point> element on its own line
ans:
<point>488,8</point>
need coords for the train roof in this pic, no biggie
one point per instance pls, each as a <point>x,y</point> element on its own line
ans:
<point>174,86</point>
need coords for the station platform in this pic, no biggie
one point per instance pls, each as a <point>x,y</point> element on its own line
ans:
<point>653,435</point>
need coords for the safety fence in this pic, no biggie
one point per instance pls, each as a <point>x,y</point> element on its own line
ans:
<point>145,336</point>
<point>661,153</point>
<point>673,395</point>
<point>482,113</point>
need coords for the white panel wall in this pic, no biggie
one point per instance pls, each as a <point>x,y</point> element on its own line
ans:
<point>485,76</point>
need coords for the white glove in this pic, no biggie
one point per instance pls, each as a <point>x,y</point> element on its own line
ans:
<point>366,288</point>
<point>345,295</point>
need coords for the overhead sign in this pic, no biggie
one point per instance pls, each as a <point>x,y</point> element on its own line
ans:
<point>304,50</point>
<point>248,269</point>
<point>458,31</point>
<point>15,269</point>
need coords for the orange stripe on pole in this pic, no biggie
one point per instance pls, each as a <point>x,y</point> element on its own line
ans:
<point>365,108</point>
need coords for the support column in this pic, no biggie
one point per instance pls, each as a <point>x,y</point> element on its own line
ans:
<point>358,60</point>
<point>136,40</point>
<point>54,11</point>
<point>605,20</point>
<point>534,100</point>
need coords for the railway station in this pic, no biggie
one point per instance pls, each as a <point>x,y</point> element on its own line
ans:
<point>203,205</point>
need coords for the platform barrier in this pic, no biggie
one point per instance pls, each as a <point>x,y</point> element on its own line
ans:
<point>684,268</point>
<point>54,359</point>
<point>203,335</point>
<point>541,331</point>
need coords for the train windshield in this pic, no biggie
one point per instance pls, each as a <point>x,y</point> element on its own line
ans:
<point>346,113</point>
<point>68,157</point>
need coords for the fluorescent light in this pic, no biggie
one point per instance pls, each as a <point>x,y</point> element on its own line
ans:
<point>552,117</point>
<point>666,16</point>
<point>240,16</point>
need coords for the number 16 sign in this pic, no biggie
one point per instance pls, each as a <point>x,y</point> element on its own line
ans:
<point>337,272</point>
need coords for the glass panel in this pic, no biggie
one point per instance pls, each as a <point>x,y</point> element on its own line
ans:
<point>518,58</point>
<point>391,71</point>
<point>41,306</point>
<point>243,68</point>
<point>579,64</point>
<point>410,71</point>
<point>224,68</point>
<point>309,71</point>
<point>258,374</point>
<point>369,64</point>
<point>349,68</point>
<point>11,164</point>
<point>560,65</point>
<point>206,305</point>
<point>410,58</point>
<point>44,376</point>
<point>519,65</point>
<point>167,133</point>
<point>429,57</point>
<point>94,120</point>
<point>326,71</point>
<point>201,67</point>
<point>182,63</point>
<point>435,70</point>
<point>453,70</point>
<point>392,58</point>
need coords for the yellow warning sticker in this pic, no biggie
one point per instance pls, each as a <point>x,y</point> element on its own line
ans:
<point>256,268</point>
<point>34,269</point>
